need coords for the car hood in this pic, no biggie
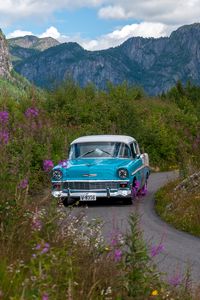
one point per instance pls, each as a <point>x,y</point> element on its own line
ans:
<point>96,169</point>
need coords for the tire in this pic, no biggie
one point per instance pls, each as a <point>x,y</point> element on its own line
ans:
<point>134,190</point>
<point>128,201</point>
<point>65,201</point>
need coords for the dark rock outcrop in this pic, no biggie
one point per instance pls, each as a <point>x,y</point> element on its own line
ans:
<point>190,185</point>
<point>5,64</point>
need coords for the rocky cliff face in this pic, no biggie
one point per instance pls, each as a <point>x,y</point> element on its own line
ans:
<point>154,64</point>
<point>5,64</point>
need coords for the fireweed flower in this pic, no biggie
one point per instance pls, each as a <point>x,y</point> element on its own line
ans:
<point>4,116</point>
<point>45,248</point>
<point>4,137</point>
<point>45,297</point>
<point>143,191</point>
<point>135,188</point>
<point>38,247</point>
<point>157,249</point>
<point>116,238</point>
<point>117,255</point>
<point>47,165</point>
<point>36,223</point>
<point>42,248</point>
<point>23,184</point>
<point>63,163</point>
<point>175,280</point>
<point>31,112</point>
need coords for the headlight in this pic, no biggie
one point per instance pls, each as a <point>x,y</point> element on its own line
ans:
<point>123,173</point>
<point>57,174</point>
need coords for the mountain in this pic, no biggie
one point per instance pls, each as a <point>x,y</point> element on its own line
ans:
<point>33,42</point>
<point>5,64</point>
<point>154,64</point>
<point>22,48</point>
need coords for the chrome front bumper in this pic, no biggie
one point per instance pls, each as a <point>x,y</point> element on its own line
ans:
<point>101,188</point>
<point>102,194</point>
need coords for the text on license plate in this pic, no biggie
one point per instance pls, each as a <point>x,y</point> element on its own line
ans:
<point>88,197</point>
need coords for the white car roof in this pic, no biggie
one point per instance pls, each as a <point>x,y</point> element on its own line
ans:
<point>104,138</point>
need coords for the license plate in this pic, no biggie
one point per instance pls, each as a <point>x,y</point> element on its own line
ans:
<point>88,197</point>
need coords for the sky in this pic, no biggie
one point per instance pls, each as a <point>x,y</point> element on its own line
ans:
<point>96,24</point>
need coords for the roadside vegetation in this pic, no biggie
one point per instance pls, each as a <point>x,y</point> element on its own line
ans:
<point>178,203</point>
<point>40,244</point>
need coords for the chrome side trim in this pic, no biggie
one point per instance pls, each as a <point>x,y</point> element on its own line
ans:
<point>139,169</point>
<point>71,180</point>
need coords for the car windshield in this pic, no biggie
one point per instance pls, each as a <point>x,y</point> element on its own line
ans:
<point>99,150</point>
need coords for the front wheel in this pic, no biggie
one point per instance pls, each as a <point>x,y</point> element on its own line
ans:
<point>128,201</point>
<point>65,201</point>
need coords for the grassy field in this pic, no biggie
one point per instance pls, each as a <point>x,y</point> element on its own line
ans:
<point>39,245</point>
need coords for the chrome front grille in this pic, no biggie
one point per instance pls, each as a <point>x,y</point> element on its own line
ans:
<point>90,185</point>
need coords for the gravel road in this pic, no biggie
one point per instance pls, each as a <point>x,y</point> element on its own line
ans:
<point>181,250</point>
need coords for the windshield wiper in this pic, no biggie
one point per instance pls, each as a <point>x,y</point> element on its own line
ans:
<point>86,153</point>
<point>97,150</point>
<point>106,152</point>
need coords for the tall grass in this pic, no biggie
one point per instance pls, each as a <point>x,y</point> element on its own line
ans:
<point>48,253</point>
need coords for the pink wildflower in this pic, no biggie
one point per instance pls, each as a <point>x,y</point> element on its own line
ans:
<point>31,112</point>
<point>45,248</point>
<point>117,255</point>
<point>116,237</point>
<point>36,223</point>
<point>4,116</point>
<point>38,247</point>
<point>135,188</point>
<point>45,297</point>
<point>4,137</point>
<point>175,280</point>
<point>47,165</point>
<point>63,163</point>
<point>23,184</point>
<point>155,250</point>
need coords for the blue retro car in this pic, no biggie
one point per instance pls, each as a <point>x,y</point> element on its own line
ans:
<point>101,166</point>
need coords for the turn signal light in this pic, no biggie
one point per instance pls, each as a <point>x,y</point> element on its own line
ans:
<point>123,185</point>
<point>57,187</point>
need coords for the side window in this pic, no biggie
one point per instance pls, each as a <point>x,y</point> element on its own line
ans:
<point>133,150</point>
<point>124,151</point>
<point>127,152</point>
<point>137,148</point>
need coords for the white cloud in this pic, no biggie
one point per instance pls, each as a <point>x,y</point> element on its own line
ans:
<point>11,10</point>
<point>112,12</point>
<point>115,38</point>
<point>162,11</point>
<point>168,12</point>
<point>51,32</point>
<point>144,29</point>
<point>18,33</point>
